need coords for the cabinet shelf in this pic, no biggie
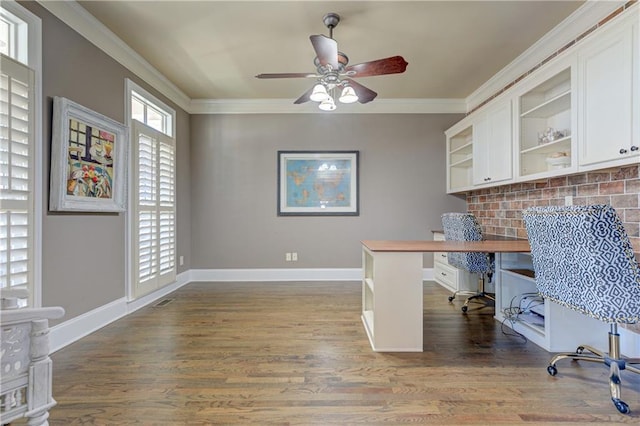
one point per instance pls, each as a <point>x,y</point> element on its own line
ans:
<point>527,320</point>
<point>369,283</point>
<point>553,106</point>
<point>464,149</point>
<point>367,317</point>
<point>464,163</point>
<point>521,273</point>
<point>548,148</point>
<point>460,159</point>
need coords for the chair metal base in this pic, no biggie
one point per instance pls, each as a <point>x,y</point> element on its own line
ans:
<point>613,360</point>
<point>481,296</point>
<point>488,300</point>
<point>460,293</point>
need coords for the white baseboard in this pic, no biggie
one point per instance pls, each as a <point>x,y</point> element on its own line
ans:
<point>290,274</point>
<point>76,328</point>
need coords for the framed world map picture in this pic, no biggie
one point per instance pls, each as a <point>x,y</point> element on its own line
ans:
<point>318,183</point>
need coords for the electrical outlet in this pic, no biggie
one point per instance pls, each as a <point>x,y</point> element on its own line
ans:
<point>287,257</point>
<point>181,261</point>
<point>294,256</point>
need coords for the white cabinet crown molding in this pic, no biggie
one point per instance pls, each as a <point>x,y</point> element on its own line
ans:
<point>568,30</point>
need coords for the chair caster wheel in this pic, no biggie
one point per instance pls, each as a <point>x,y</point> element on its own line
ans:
<point>580,350</point>
<point>621,405</point>
<point>451,298</point>
<point>464,309</point>
<point>552,370</point>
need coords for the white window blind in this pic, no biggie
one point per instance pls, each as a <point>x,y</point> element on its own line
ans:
<point>166,207</point>
<point>16,175</point>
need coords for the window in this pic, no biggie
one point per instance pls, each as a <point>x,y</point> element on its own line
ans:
<point>16,178</point>
<point>153,116</point>
<point>153,213</point>
<point>14,36</point>
<point>20,154</point>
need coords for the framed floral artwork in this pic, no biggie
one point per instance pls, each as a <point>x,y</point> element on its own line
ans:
<point>88,160</point>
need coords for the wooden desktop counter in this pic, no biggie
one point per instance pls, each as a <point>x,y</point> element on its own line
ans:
<point>392,294</point>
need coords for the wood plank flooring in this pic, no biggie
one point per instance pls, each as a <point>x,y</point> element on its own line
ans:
<point>297,353</point>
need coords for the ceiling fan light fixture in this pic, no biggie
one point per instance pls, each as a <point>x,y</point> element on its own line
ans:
<point>319,93</point>
<point>348,95</point>
<point>327,104</point>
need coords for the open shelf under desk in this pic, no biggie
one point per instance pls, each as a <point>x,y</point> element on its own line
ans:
<point>521,273</point>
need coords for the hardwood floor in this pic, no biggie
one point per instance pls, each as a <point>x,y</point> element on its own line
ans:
<point>297,353</point>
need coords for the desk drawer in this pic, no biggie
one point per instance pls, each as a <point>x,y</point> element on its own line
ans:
<point>440,257</point>
<point>446,275</point>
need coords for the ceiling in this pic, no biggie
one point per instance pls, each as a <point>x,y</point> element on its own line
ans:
<point>213,49</point>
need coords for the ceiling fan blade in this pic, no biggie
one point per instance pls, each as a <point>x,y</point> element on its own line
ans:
<point>392,65</point>
<point>287,75</point>
<point>364,93</point>
<point>326,50</point>
<point>305,97</point>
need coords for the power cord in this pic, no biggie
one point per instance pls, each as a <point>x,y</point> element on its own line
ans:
<point>512,314</point>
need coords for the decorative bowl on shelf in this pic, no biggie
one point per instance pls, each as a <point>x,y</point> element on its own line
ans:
<point>550,135</point>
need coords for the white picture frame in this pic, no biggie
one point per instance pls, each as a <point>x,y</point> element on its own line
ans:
<point>88,160</point>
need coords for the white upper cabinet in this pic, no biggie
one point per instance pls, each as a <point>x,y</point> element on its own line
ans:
<point>459,156</point>
<point>546,123</point>
<point>609,85</point>
<point>493,144</point>
<point>577,112</point>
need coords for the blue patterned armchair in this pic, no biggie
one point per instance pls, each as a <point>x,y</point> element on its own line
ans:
<point>465,227</point>
<point>583,260</point>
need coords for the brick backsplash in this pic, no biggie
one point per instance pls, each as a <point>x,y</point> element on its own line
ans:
<point>499,209</point>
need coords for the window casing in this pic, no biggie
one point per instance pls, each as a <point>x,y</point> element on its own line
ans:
<point>20,151</point>
<point>16,175</point>
<point>152,230</point>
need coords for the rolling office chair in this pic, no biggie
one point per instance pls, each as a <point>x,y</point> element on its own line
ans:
<point>582,259</point>
<point>465,227</point>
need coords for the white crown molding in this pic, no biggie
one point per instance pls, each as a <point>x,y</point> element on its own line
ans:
<point>585,17</point>
<point>76,17</point>
<point>286,106</point>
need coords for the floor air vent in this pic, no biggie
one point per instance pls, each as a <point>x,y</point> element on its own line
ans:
<point>161,303</point>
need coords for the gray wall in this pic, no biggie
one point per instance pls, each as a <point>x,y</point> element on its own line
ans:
<point>234,180</point>
<point>226,188</point>
<point>84,253</point>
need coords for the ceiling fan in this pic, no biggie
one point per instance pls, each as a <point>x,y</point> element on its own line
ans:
<point>333,74</point>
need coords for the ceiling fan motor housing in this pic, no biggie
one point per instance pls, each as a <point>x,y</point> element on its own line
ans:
<point>331,20</point>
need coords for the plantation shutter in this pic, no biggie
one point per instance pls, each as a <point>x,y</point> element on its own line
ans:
<point>166,208</point>
<point>16,175</point>
<point>154,188</point>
